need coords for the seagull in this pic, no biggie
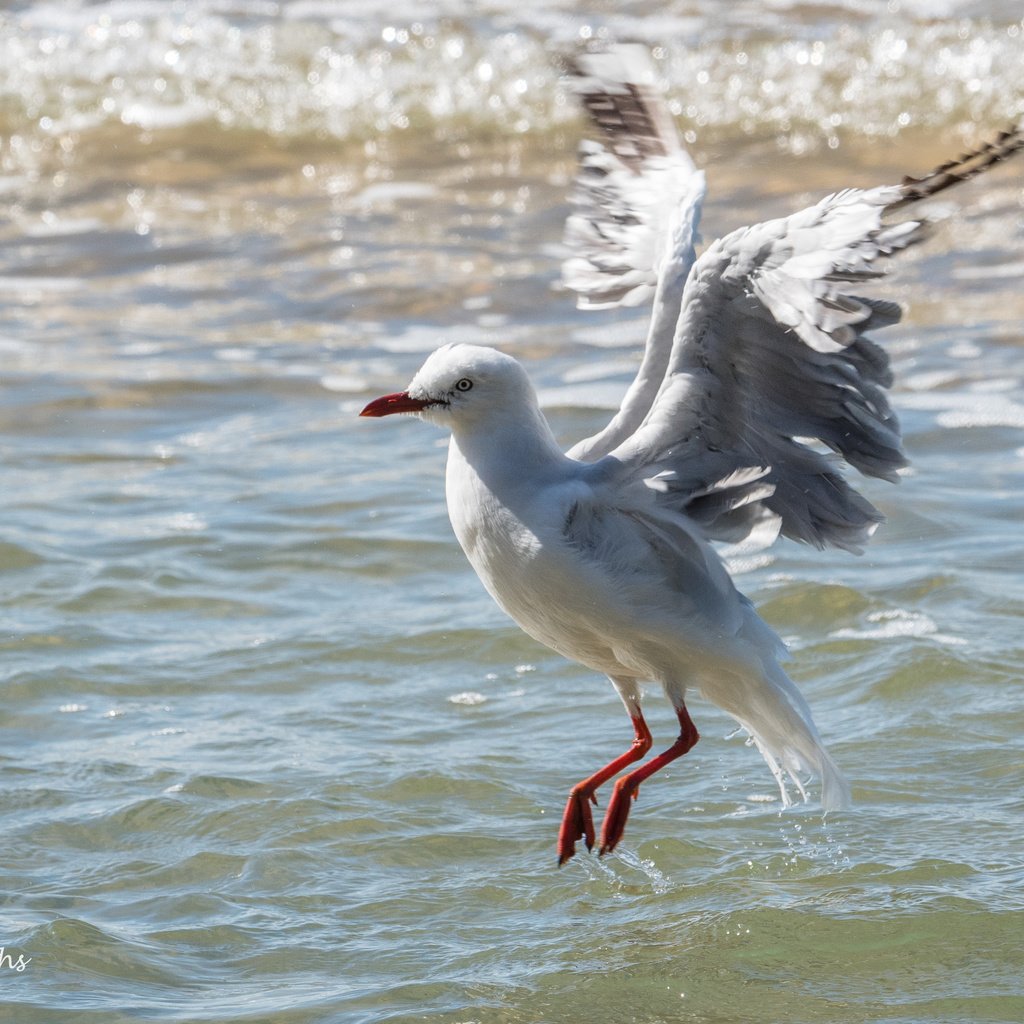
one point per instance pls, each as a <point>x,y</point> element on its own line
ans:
<point>757,382</point>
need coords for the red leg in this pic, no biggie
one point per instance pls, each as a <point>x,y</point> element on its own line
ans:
<point>577,822</point>
<point>626,788</point>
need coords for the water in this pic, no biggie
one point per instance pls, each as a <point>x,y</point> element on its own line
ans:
<point>269,753</point>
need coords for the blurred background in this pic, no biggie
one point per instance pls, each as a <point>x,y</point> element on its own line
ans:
<point>267,750</point>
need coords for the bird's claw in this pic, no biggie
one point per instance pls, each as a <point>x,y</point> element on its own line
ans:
<point>614,825</point>
<point>577,823</point>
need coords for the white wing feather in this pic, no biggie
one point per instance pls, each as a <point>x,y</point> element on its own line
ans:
<point>635,227</point>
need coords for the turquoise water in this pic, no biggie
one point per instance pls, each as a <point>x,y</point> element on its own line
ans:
<point>269,753</point>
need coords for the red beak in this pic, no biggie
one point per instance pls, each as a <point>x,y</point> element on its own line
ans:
<point>399,402</point>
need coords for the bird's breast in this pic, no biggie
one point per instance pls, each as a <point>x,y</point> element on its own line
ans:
<point>521,547</point>
<point>511,535</point>
<point>496,534</point>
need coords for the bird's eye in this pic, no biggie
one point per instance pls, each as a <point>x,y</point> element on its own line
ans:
<point>464,384</point>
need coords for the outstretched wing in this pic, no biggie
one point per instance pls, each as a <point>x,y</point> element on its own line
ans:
<point>773,381</point>
<point>637,201</point>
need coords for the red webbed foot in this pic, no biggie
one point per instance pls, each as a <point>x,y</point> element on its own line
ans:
<point>577,823</point>
<point>628,786</point>
<point>615,817</point>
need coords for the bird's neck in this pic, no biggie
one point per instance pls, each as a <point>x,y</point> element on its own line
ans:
<point>508,452</point>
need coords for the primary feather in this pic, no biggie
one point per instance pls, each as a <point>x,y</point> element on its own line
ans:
<point>633,235</point>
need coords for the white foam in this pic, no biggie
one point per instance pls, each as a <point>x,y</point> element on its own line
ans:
<point>388,193</point>
<point>962,409</point>
<point>590,396</point>
<point>40,284</point>
<point>986,272</point>
<point>344,382</point>
<point>154,115</point>
<point>469,698</point>
<point>604,368</point>
<point>898,622</point>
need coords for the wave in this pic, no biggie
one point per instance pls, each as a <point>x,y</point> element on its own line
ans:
<point>217,73</point>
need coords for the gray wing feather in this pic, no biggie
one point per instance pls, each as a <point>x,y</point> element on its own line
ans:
<point>771,371</point>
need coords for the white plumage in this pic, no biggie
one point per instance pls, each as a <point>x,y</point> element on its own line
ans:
<point>605,553</point>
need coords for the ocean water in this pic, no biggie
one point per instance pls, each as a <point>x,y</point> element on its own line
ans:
<point>267,751</point>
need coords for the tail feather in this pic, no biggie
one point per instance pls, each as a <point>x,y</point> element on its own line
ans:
<point>788,740</point>
<point>801,750</point>
<point>770,707</point>
<point>835,790</point>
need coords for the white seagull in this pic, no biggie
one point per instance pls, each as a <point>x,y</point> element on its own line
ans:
<point>757,381</point>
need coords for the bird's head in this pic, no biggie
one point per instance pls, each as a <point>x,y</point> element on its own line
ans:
<point>459,385</point>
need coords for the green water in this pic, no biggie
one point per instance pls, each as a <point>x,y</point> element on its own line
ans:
<point>268,753</point>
